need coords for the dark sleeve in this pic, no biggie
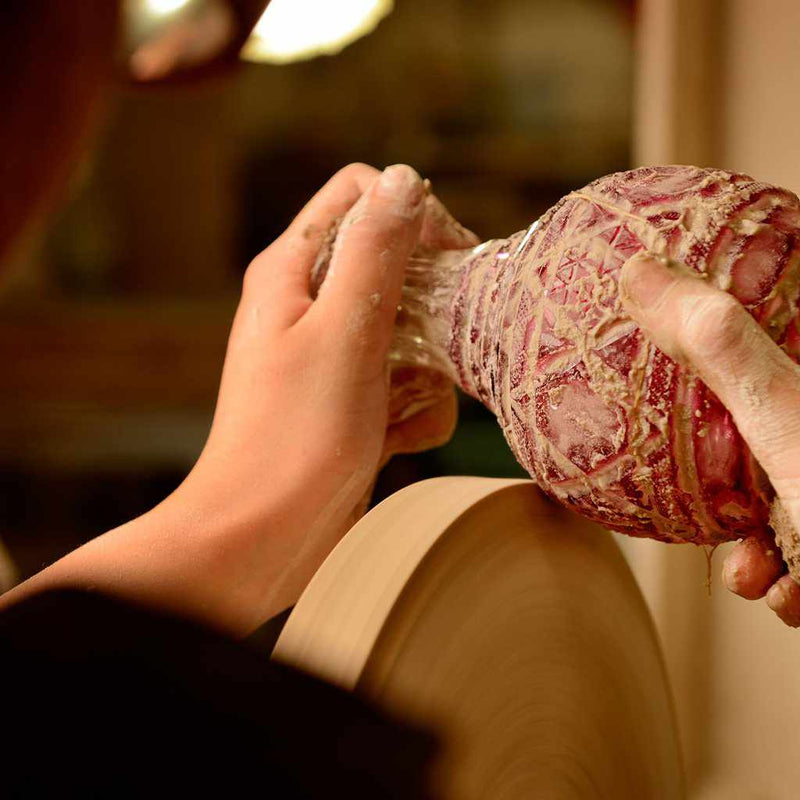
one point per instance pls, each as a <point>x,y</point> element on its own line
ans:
<point>105,699</point>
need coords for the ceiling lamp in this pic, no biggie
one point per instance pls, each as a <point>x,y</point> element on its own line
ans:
<point>161,8</point>
<point>294,30</point>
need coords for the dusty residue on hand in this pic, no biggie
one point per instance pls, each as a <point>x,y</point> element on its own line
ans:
<point>786,537</point>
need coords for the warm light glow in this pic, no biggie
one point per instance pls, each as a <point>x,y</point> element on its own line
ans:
<point>161,8</point>
<point>290,30</point>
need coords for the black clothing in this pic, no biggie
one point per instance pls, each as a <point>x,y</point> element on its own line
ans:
<point>102,699</point>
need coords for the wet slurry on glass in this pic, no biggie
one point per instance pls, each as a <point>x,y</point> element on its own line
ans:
<point>534,328</point>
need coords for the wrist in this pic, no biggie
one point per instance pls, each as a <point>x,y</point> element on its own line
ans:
<point>255,545</point>
<point>232,554</point>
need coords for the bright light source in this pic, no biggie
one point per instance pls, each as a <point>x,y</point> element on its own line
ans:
<point>162,8</point>
<point>291,30</point>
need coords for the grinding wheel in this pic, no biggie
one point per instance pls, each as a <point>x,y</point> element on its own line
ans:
<point>509,626</point>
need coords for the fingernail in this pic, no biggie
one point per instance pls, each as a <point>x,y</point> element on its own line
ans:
<point>778,597</point>
<point>644,279</point>
<point>403,185</point>
<point>731,575</point>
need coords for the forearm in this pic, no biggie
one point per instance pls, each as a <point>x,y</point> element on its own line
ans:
<point>189,559</point>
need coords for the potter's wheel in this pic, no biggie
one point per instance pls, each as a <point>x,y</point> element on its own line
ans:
<point>510,626</point>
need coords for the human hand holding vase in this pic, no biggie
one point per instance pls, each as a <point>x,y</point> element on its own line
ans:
<point>535,327</point>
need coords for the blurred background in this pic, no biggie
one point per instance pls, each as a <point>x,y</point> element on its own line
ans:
<point>114,311</point>
<point>114,315</point>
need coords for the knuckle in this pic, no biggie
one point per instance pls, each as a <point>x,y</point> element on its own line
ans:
<point>250,276</point>
<point>713,325</point>
<point>257,269</point>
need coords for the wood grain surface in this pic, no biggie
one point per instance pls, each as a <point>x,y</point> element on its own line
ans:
<point>513,628</point>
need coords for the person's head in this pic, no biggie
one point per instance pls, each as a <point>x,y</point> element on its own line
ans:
<point>55,60</point>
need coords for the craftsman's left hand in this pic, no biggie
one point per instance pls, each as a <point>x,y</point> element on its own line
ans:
<point>301,423</point>
<point>306,414</point>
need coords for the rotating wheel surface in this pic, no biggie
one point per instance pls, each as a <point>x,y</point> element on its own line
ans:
<point>512,628</point>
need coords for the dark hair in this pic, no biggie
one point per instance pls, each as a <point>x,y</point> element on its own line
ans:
<point>55,60</point>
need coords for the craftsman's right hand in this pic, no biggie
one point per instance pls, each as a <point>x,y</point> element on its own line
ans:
<point>711,333</point>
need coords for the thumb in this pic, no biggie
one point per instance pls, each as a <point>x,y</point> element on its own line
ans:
<point>362,288</point>
<point>712,334</point>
